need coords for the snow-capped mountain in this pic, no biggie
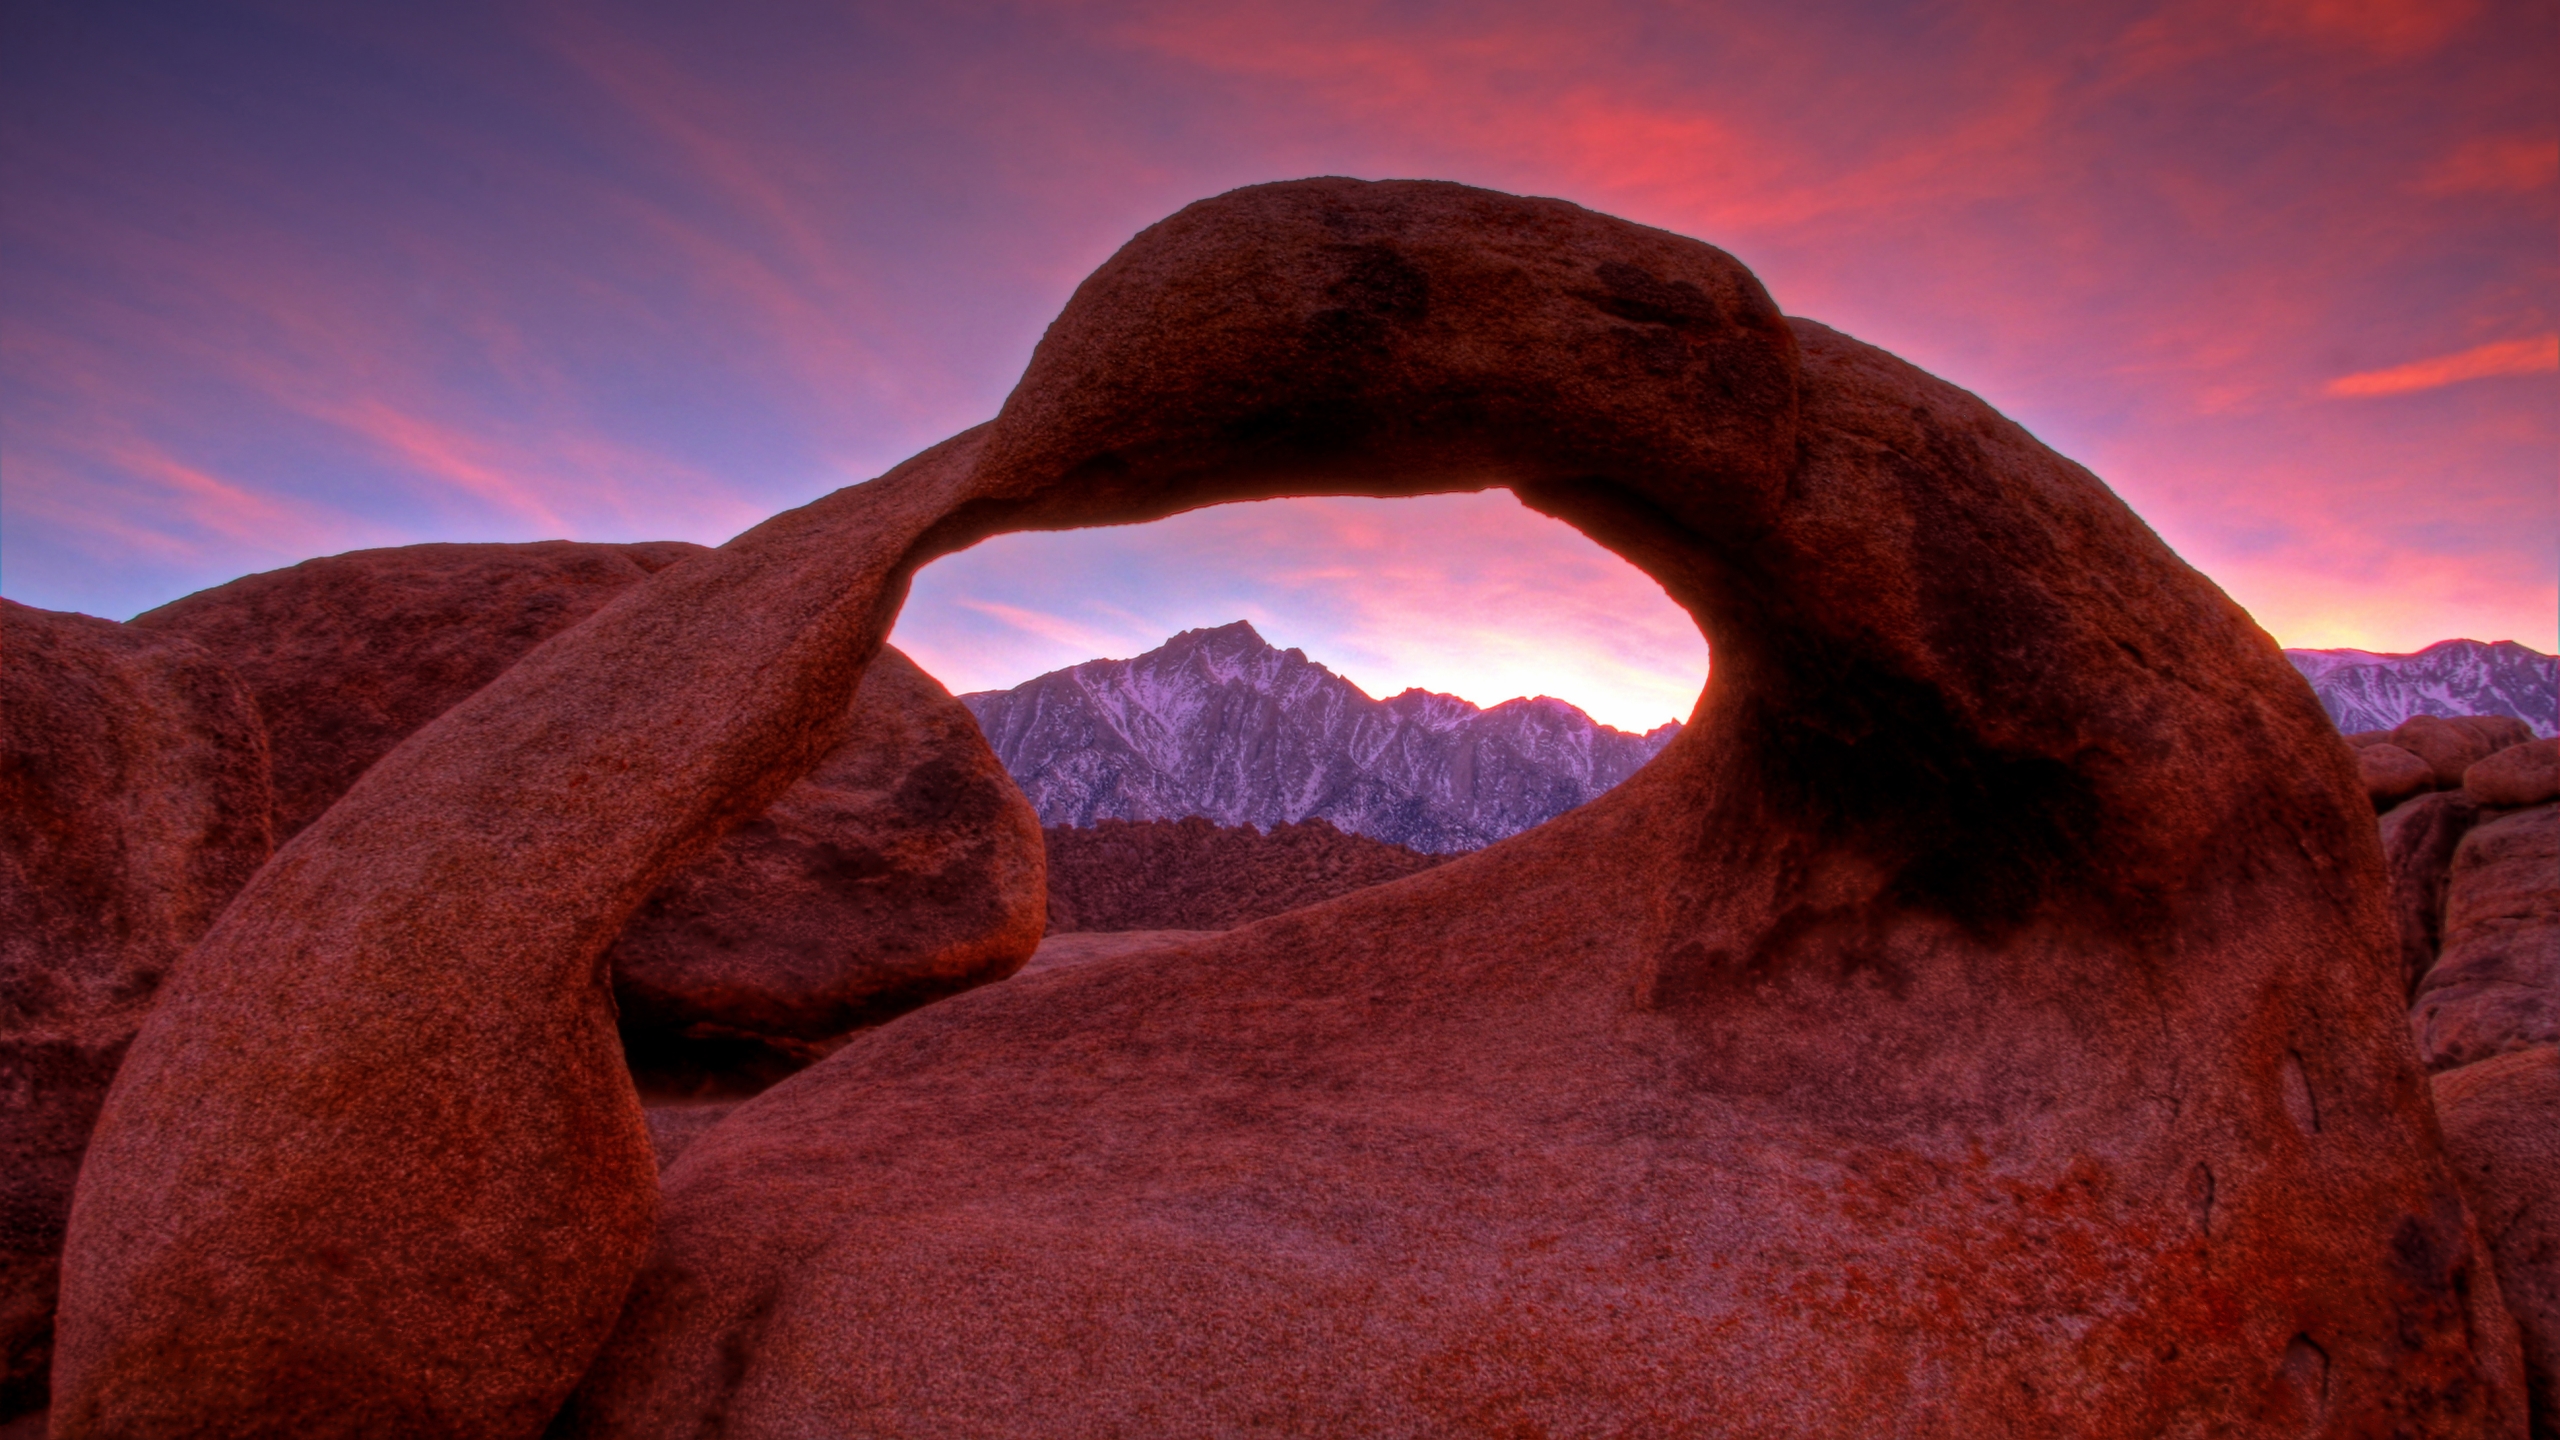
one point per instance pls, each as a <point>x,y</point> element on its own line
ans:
<point>2365,691</point>
<point>1219,723</point>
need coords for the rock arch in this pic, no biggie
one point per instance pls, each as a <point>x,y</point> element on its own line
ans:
<point>1917,1046</point>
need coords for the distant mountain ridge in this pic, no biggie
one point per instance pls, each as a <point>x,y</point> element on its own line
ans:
<point>1218,722</point>
<point>2363,690</point>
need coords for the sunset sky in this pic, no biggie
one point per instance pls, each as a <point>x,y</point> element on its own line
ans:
<point>278,281</point>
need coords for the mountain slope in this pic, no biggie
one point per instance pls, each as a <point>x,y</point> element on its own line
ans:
<point>2365,691</point>
<point>1219,723</point>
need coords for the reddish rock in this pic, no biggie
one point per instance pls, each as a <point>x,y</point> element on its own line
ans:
<point>2502,1127</point>
<point>2418,841</point>
<point>1982,1017</point>
<point>1191,874</point>
<point>2496,982</point>
<point>906,867</point>
<point>2392,774</point>
<point>674,1127</point>
<point>2500,731</point>
<point>133,776</point>
<point>349,654</point>
<point>2526,774</point>
<point>1059,951</point>
<point>2448,745</point>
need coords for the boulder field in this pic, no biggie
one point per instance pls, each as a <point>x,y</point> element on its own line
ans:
<point>2475,897</point>
<point>1985,1018</point>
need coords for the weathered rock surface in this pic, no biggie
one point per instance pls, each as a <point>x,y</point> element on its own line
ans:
<point>2392,774</point>
<point>1982,1019</point>
<point>1191,875</point>
<point>2418,842</point>
<point>2496,982</point>
<point>2449,745</point>
<point>2527,774</point>
<point>906,867</point>
<point>349,654</point>
<point>1082,946</point>
<point>2502,1127</point>
<point>673,1127</point>
<point>2501,731</point>
<point>133,777</point>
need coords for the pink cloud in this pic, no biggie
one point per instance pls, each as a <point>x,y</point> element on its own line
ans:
<point>2394,29</point>
<point>2151,234</point>
<point>2496,164</point>
<point>2530,356</point>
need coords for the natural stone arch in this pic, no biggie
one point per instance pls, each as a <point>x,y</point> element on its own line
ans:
<point>2005,861</point>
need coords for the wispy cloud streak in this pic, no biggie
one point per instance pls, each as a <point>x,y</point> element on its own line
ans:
<point>2531,356</point>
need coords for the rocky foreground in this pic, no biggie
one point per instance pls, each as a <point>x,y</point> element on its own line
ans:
<point>1992,1015</point>
<point>1191,875</point>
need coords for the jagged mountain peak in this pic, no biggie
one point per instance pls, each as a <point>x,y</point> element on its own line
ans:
<point>1218,722</point>
<point>2366,690</point>
<point>1238,634</point>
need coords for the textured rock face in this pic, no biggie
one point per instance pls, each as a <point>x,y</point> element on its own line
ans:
<point>2496,982</point>
<point>674,1127</point>
<point>349,654</point>
<point>2502,1127</point>
<point>1218,723</point>
<point>2366,691</point>
<point>134,777</point>
<point>2418,842</point>
<point>2392,774</point>
<point>1982,1019</point>
<point>2526,774</point>
<point>2449,746</point>
<point>1079,947</point>
<point>906,867</point>
<point>1192,875</point>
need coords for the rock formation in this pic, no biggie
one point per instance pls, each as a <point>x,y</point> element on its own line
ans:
<point>2526,774</point>
<point>2392,774</point>
<point>1220,724</point>
<point>1981,1019</point>
<point>1192,875</point>
<point>2474,876</point>
<point>349,654</point>
<point>2450,745</point>
<point>2418,841</point>
<point>2435,752</point>
<point>134,777</point>
<point>2502,1128</point>
<point>906,867</point>
<point>1081,946</point>
<point>2495,985</point>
